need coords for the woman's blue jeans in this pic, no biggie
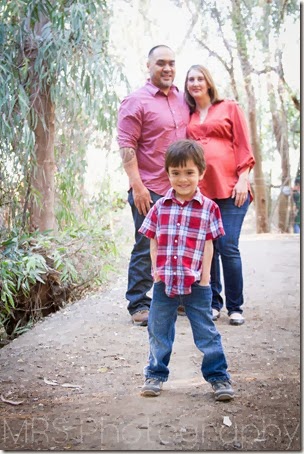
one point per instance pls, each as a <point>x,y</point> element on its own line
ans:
<point>227,247</point>
<point>139,275</point>
<point>161,329</point>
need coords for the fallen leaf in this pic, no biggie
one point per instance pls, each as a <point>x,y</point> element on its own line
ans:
<point>227,421</point>
<point>11,402</point>
<point>70,385</point>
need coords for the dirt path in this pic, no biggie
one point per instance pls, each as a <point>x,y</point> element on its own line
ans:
<point>79,371</point>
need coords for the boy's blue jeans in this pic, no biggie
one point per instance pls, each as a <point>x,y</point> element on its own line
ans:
<point>161,329</point>
<point>227,247</point>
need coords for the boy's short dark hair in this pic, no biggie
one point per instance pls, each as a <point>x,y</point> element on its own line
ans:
<point>182,151</point>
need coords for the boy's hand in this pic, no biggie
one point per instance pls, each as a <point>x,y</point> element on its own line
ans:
<point>156,277</point>
<point>204,283</point>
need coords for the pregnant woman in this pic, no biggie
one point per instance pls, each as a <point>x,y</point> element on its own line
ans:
<point>220,127</point>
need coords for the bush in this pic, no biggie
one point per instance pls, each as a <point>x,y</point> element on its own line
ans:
<point>40,273</point>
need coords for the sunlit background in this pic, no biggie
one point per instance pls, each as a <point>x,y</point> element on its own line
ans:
<point>162,22</point>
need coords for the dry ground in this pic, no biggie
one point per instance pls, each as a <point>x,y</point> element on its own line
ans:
<point>78,372</point>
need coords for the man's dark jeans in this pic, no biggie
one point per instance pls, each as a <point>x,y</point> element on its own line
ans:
<point>139,275</point>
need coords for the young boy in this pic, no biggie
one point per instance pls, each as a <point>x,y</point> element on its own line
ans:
<point>181,227</point>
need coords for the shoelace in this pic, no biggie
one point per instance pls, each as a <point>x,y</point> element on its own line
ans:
<point>226,384</point>
<point>152,381</point>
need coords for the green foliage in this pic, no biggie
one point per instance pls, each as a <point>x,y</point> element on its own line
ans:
<point>20,268</point>
<point>56,268</point>
<point>60,47</point>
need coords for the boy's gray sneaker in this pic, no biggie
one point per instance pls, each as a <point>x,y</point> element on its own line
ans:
<point>151,388</point>
<point>222,390</point>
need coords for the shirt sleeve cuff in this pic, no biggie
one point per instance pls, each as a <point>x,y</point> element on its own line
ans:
<point>215,235</point>
<point>147,233</point>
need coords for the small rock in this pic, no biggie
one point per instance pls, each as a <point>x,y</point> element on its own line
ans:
<point>142,426</point>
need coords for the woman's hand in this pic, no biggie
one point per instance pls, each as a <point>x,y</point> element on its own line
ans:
<point>240,190</point>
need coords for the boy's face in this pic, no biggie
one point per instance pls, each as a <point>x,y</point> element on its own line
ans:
<point>184,180</point>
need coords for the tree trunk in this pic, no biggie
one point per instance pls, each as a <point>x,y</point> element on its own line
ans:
<point>262,221</point>
<point>280,130</point>
<point>43,176</point>
<point>42,214</point>
<point>260,190</point>
<point>279,124</point>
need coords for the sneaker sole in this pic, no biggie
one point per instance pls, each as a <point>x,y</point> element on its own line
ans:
<point>222,397</point>
<point>236,322</point>
<point>149,393</point>
<point>144,323</point>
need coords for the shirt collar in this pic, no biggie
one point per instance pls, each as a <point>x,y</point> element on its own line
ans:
<point>153,89</point>
<point>170,195</point>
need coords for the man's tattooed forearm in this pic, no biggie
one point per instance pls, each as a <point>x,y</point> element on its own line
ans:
<point>127,154</point>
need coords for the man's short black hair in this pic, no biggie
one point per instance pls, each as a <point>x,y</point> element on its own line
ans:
<point>156,47</point>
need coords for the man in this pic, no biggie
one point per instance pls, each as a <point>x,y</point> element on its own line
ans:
<point>149,120</point>
<point>296,197</point>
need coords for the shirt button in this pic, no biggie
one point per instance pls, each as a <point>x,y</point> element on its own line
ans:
<point>175,241</point>
<point>178,224</point>
<point>175,257</point>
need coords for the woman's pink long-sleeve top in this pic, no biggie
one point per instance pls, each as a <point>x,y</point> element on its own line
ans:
<point>225,139</point>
